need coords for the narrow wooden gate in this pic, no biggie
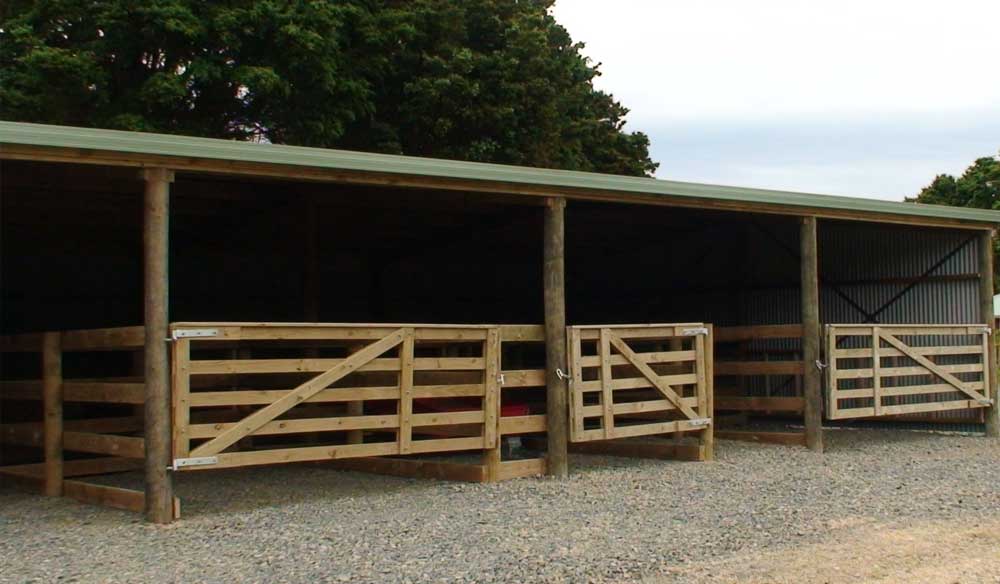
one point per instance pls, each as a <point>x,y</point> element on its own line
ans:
<point>249,394</point>
<point>637,380</point>
<point>883,370</point>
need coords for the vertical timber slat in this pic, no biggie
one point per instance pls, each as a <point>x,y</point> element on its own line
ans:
<point>181,390</point>
<point>607,394</point>
<point>876,371</point>
<point>53,408</point>
<point>812,377</point>
<point>986,310</point>
<point>159,487</point>
<point>406,357</point>
<point>491,401</point>
<point>707,400</point>
<point>554,283</point>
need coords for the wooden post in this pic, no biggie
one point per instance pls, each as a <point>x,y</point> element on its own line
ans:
<point>813,378</point>
<point>53,407</point>
<point>159,487</point>
<point>554,278</point>
<point>986,310</point>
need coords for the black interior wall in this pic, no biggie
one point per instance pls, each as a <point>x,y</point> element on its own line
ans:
<point>71,240</point>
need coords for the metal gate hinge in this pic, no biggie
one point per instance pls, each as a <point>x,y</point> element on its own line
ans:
<point>690,332</point>
<point>196,461</point>
<point>821,365</point>
<point>560,374</point>
<point>193,333</point>
<point>500,379</point>
<point>985,402</point>
<point>700,422</point>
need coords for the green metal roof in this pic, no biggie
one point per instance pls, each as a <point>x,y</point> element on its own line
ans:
<point>16,133</point>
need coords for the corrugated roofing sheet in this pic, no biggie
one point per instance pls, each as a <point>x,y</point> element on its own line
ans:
<point>385,164</point>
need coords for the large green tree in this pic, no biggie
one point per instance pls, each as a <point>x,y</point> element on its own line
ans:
<point>486,80</point>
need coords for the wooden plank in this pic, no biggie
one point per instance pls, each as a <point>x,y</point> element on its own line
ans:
<point>786,438</point>
<point>761,404</point>
<point>707,437</point>
<point>491,401</point>
<point>297,395</point>
<point>124,446</point>
<point>847,330</point>
<point>607,394</point>
<point>413,468</point>
<point>449,418</point>
<point>181,397</point>
<point>303,454</point>
<point>831,371</point>
<point>657,382</point>
<point>575,399</point>
<point>554,299</point>
<point>108,339</point>
<point>907,371</point>
<point>934,368</point>
<point>648,406</point>
<point>986,248</point>
<point>266,396</point>
<point>656,428</point>
<point>21,390</point>
<point>876,371</point>
<point>521,424</point>
<point>447,445</point>
<point>31,433</point>
<point>104,392</point>
<point>115,497</point>
<point>295,426</point>
<point>78,468</point>
<point>812,381</point>
<point>639,382</point>
<point>904,390</point>
<point>253,366</point>
<point>654,357</point>
<point>52,412</point>
<point>351,332</point>
<point>514,333</point>
<point>759,368</point>
<point>407,358</point>
<point>516,469</point>
<point>523,378</point>
<point>729,334</point>
<point>866,353</point>
<point>658,450</point>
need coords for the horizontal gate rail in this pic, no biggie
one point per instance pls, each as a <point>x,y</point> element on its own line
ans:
<point>883,370</point>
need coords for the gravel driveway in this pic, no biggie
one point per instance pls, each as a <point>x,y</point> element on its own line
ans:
<point>614,520</point>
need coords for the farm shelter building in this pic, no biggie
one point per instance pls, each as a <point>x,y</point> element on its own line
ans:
<point>181,304</point>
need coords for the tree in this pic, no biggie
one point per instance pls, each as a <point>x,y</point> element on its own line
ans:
<point>978,187</point>
<point>485,80</point>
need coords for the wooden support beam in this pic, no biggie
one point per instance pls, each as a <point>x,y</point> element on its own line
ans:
<point>159,498</point>
<point>811,334</point>
<point>986,310</point>
<point>53,408</point>
<point>554,278</point>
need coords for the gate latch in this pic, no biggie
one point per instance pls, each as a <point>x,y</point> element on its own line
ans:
<point>698,422</point>
<point>985,402</point>
<point>690,332</point>
<point>196,461</point>
<point>193,333</point>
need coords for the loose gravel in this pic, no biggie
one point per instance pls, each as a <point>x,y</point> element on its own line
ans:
<point>613,520</point>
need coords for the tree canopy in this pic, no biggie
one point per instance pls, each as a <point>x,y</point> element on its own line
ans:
<point>484,80</point>
<point>978,187</point>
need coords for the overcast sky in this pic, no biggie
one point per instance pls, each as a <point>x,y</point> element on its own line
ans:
<point>866,98</point>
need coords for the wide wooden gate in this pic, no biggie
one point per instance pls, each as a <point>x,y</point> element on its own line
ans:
<point>883,370</point>
<point>637,380</point>
<point>249,394</point>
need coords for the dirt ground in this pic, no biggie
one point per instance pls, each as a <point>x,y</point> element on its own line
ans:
<point>945,552</point>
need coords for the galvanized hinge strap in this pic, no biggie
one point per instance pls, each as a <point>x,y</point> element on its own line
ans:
<point>821,365</point>
<point>700,422</point>
<point>194,333</point>
<point>196,461</point>
<point>985,402</point>
<point>690,332</point>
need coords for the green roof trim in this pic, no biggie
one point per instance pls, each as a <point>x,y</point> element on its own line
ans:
<point>17,133</point>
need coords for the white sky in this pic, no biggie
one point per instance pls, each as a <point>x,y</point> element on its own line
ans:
<point>867,98</point>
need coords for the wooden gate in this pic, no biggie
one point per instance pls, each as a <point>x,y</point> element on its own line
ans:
<point>637,380</point>
<point>250,394</point>
<point>883,370</point>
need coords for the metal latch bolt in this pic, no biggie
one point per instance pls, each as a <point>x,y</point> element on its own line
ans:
<point>690,332</point>
<point>196,461</point>
<point>700,422</point>
<point>193,333</point>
